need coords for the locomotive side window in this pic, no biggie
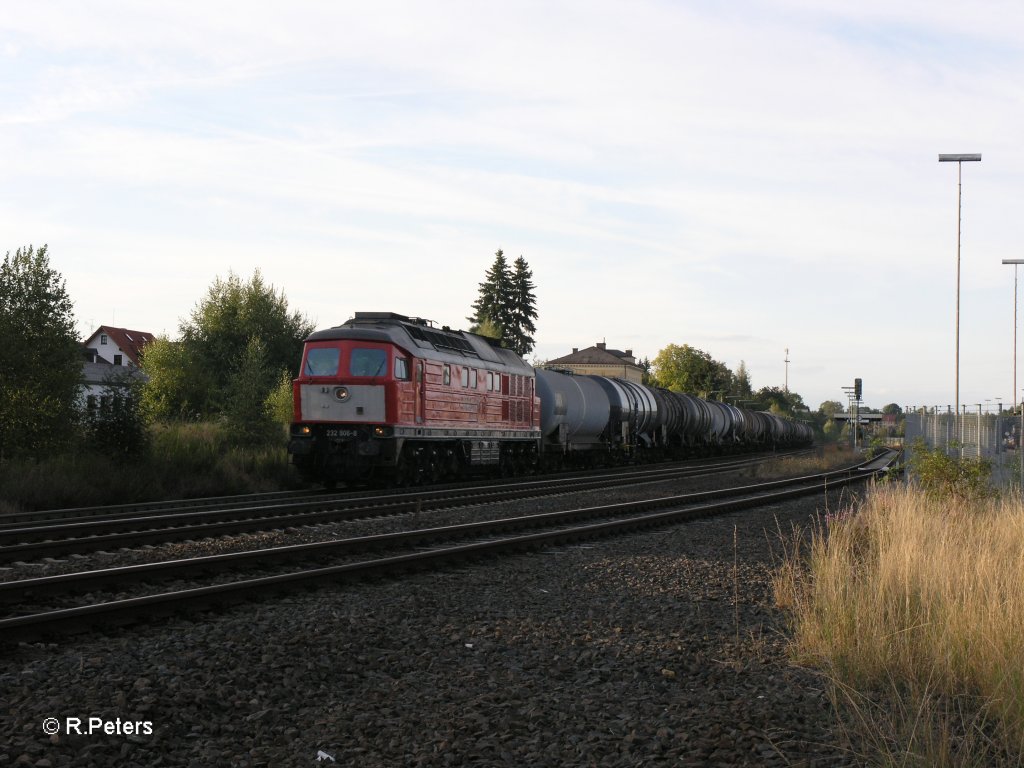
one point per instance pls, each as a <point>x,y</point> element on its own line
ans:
<point>401,369</point>
<point>322,362</point>
<point>465,377</point>
<point>368,362</point>
<point>490,380</point>
<point>472,379</point>
<point>447,375</point>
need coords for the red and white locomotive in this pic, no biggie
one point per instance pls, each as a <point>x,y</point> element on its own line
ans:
<point>392,398</point>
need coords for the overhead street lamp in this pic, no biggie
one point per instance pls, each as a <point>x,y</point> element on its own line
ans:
<point>959,159</point>
<point>1015,263</point>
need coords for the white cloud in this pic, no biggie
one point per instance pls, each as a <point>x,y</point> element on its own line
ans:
<point>742,177</point>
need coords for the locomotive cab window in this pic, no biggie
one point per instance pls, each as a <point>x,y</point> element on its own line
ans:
<point>368,362</point>
<point>322,362</point>
<point>401,369</point>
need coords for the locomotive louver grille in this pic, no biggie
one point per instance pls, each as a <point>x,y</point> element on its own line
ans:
<point>441,340</point>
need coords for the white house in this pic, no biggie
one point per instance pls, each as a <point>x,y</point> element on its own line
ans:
<point>112,355</point>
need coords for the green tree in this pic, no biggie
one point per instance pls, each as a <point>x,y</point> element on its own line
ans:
<point>686,369</point>
<point>197,376</point>
<point>250,385</point>
<point>40,357</point>
<point>741,382</point>
<point>830,408</point>
<point>892,409</point>
<point>116,426</point>
<point>280,404</point>
<point>487,327</point>
<point>646,378</point>
<point>494,302</point>
<point>179,389</point>
<point>523,310</point>
<point>779,401</point>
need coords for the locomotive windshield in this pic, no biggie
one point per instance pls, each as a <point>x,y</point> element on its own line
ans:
<point>322,362</point>
<point>368,362</point>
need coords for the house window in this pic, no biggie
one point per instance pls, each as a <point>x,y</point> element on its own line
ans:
<point>103,338</point>
<point>117,359</point>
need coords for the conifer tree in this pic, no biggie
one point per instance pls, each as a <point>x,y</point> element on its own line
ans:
<point>494,302</point>
<point>524,309</point>
<point>506,306</point>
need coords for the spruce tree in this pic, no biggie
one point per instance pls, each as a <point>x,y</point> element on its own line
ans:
<point>494,303</point>
<point>524,309</point>
<point>506,306</point>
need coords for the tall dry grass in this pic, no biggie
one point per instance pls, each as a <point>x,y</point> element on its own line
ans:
<point>915,609</point>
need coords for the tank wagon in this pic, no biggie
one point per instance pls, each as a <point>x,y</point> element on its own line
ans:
<point>394,399</point>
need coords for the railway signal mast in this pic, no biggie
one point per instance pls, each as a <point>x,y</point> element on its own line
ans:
<point>853,395</point>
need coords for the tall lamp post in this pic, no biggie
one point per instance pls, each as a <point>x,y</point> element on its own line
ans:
<point>1015,262</point>
<point>959,159</point>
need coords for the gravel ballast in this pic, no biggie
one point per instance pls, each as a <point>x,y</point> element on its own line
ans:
<point>657,648</point>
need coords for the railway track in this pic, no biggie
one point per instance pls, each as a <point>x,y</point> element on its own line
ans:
<point>94,529</point>
<point>394,552</point>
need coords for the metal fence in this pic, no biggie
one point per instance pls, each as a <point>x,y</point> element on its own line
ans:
<point>993,436</point>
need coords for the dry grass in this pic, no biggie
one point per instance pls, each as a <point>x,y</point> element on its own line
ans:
<point>915,610</point>
<point>822,459</point>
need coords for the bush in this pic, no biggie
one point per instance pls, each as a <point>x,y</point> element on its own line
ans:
<point>942,476</point>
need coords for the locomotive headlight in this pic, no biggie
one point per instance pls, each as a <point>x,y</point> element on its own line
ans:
<point>305,429</point>
<point>378,431</point>
<point>342,393</point>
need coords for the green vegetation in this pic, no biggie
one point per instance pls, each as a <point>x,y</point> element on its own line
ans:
<point>683,368</point>
<point>912,604</point>
<point>950,478</point>
<point>40,357</point>
<point>208,421</point>
<point>185,460</point>
<point>233,351</point>
<point>506,306</point>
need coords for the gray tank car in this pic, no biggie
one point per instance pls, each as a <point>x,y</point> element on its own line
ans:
<point>603,419</point>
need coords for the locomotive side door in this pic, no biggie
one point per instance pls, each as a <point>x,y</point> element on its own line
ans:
<point>421,392</point>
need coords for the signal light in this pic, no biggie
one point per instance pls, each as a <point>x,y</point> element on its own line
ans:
<point>858,388</point>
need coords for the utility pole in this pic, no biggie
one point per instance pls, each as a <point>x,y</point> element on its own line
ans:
<point>787,370</point>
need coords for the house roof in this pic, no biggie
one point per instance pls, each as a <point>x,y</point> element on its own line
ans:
<point>596,355</point>
<point>130,342</point>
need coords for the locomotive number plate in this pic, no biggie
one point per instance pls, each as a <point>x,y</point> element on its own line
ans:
<point>341,433</point>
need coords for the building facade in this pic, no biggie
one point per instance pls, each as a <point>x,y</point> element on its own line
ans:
<point>598,360</point>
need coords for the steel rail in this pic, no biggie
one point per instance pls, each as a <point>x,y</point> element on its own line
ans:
<point>216,503</point>
<point>118,610</point>
<point>58,539</point>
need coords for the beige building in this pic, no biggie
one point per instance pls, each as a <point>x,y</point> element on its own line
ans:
<point>598,360</point>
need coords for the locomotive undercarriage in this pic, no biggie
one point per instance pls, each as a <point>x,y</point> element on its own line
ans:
<point>361,456</point>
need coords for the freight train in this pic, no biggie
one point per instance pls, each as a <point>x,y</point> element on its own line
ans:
<point>394,399</point>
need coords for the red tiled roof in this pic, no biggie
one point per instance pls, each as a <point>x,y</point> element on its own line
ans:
<point>130,342</point>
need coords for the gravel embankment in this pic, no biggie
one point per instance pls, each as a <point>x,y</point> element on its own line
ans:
<point>658,648</point>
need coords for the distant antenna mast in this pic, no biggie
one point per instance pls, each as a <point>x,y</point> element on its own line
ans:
<point>787,369</point>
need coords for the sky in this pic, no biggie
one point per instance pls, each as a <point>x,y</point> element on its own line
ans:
<point>742,177</point>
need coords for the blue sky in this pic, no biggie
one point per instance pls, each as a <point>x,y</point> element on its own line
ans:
<point>743,177</point>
